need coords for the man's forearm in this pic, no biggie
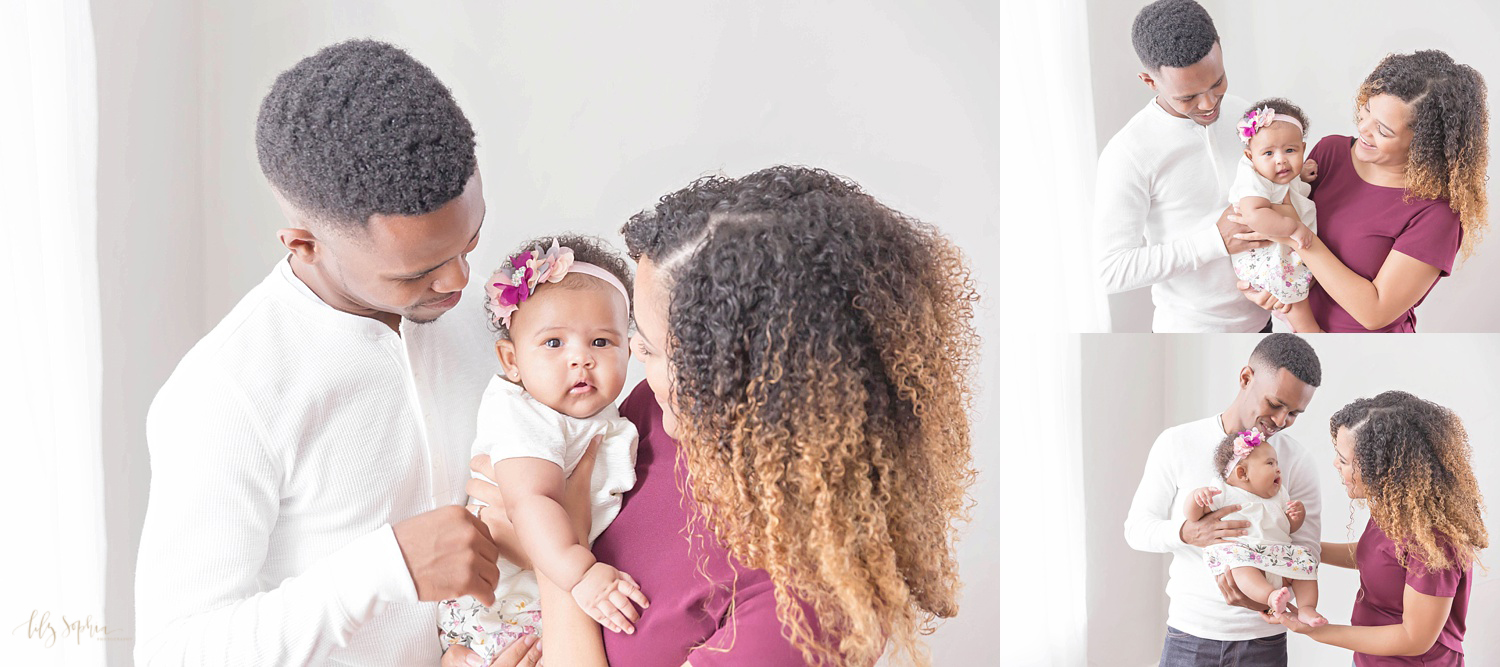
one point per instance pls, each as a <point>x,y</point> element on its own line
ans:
<point>299,622</point>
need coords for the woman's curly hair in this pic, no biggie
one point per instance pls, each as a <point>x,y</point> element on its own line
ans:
<point>1450,126</point>
<point>821,347</point>
<point>587,249</point>
<point>1413,458</point>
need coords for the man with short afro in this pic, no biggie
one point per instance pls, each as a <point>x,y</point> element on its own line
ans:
<point>1162,182</point>
<point>309,456</point>
<point>1210,622</point>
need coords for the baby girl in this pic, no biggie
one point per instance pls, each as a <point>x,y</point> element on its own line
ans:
<point>563,317</point>
<point>1264,556</point>
<point>1272,175</point>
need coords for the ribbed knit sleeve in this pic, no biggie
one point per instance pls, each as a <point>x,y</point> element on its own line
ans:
<point>216,490</point>
<point>1123,257</point>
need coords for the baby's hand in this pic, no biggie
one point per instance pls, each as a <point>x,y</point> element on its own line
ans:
<point>1303,236</point>
<point>1295,510</point>
<point>1204,497</point>
<point>605,594</point>
<point>1309,170</point>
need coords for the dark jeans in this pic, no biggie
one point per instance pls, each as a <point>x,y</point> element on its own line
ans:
<point>1184,650</point>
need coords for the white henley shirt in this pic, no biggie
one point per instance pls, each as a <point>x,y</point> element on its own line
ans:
<point>1161,185</point>
<point>283,447</point>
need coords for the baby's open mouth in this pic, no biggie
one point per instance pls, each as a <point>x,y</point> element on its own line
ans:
<point>580,387</point>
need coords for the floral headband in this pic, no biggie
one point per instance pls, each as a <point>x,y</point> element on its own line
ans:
<point>1243,447</point>
<point>1258,119</point>
<point>507,289</point>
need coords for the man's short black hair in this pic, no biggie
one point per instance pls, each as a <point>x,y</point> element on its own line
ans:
<point>1172,33</point>
<point>361,128</point>
<point>1284,350</point>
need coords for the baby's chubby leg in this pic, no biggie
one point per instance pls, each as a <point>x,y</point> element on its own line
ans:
<point>1252,583</point>
<point>1306,591</point>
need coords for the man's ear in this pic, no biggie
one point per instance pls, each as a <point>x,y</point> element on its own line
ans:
<point>298,236</point>
<point>1247,374</point>
<point>505,350</point>
<point>301,242</point>
<point>1145,78</point>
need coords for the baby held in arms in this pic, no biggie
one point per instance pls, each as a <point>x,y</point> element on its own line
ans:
<point>1262,559</point>
<point>563,317</point>
<point>1273,174</point>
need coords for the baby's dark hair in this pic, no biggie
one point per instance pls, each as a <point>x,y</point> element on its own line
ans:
<point>1283,108</point>
<point>1172,33</point>
<point>1223,453</point>
<point>587,249</point>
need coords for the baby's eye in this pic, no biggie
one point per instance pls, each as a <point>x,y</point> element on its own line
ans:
<point>552,342</point>
<point>601,342</point>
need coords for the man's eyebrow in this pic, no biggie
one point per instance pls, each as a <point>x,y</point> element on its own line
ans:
<point>419,274</point>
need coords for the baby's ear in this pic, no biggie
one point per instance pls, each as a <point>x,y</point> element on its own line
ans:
<point>505,349</point>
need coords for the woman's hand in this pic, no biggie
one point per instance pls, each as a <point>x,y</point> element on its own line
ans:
<point>525,652</point>
<point>1262,298</point>
<point>1266,218</point>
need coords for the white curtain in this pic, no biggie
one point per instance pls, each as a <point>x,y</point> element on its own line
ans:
<point>1047,156</point>
<point>54,555</point>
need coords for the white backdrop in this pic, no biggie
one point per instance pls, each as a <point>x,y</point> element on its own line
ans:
<point>583,117</point>
<point>1146,383</point>
<point>1315,54</point>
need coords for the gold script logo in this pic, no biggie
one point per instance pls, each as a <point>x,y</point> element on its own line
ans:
<point>41,626</point>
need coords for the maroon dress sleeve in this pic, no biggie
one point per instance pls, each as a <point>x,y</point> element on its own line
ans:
<point>1432,236</point>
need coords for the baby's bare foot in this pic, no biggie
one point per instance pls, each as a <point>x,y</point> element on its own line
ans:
<point>1311,617</point>
<point>1279,599</point>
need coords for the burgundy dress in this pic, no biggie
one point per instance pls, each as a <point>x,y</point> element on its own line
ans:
<point>1362,223</point>
<point>1383,582</point>
<point>689,616</point>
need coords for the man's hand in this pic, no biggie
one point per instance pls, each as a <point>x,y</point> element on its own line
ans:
<point>449,554</point>
<point>1309,170</point>
<point>1229,229</point>
<point>1262,298</point>
<point>524,652</point>
<point>1212,529</point>
<point>1233,596</point>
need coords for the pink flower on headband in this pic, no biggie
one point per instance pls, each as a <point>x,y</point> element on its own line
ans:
<point>507,290</point>
<point>1254,121</point>
<point>1243,447</point>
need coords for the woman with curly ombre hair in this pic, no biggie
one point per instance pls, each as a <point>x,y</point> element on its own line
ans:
<point>804,452</point>
<point>1408,459</point>
<point>1399,203</point>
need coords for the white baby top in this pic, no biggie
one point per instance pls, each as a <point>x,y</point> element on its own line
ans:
<point>513,424</point>
<point>1267,516</point>
<point>1276,268</point>
<point>1249,183</point>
